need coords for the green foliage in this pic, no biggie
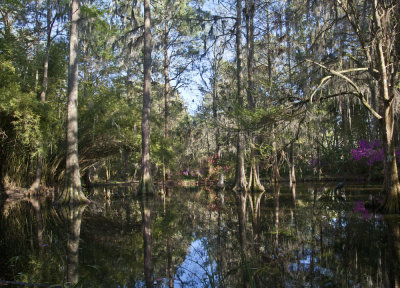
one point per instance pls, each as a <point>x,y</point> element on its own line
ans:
<point>19,109</point>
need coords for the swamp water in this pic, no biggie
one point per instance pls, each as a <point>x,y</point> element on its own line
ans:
<point>202,238</point>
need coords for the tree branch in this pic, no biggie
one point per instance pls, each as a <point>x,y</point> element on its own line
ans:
<point>341,75</point>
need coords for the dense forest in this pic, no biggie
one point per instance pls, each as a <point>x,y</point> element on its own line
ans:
<point>290,90</point>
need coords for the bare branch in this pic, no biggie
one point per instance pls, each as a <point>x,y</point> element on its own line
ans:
<point>341,75</point>
<point>325,79</point>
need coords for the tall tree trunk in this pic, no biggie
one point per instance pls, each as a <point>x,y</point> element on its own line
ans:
<point>215,102</point>
<point>292,174</point>
<point>38,175</point>
<point>166,88</point>
<point>254,179</point>
<point>72,193</point>
<point>292,165</point>
<point>391,203</point>
<point>166,72</point>
<point>46,56</point>
<point>275,169</point>
<point>388,82</point>
<point>146,184</point>
<point>240,176</point>
<point>45,72</point>
<point>249,12</point>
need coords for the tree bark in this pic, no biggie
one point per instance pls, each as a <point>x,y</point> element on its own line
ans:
<point>166,88</point>
<point>38,175</point>
<point>215,103</point>
<point>254,180</point>
<point>240,176</point>
<point>146,184</point>
<point>391,202</point>
<point>72,193</point>
<point>46,56</point>
<point>45,73</point>
<point>388,80</point>
<point>275,169</point>
<point>166,72</point>
<point>292,165</point>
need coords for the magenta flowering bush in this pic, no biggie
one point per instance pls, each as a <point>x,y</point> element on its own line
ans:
<point>313,162</point>
<point>360,208</point>
<point>372,152</point>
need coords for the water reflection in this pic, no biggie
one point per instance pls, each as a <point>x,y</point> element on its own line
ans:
<point>73,215</point>
<point>39,221</point>
<point>284,237</point>
<point>147,241</point>
<point>394,228</point>
<point>241,200</point>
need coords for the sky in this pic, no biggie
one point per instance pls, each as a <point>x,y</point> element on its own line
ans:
<point>191,95</point>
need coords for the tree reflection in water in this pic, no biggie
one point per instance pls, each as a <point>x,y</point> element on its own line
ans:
<point>147,241</point>
<point>74,216</point>
<point>202,238</point>
<point>241,200</point>
<point>39,220</point>
<point>394,228</point>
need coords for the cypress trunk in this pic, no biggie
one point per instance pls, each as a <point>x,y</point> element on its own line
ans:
<point>254,180</point>
<point>72,193</point>
<point>240,176</point>
<point>146,184</point>
<point>166,90</point>
<point>391,202</point>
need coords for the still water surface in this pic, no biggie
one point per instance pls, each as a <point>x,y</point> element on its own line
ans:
<point>203,238</point>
